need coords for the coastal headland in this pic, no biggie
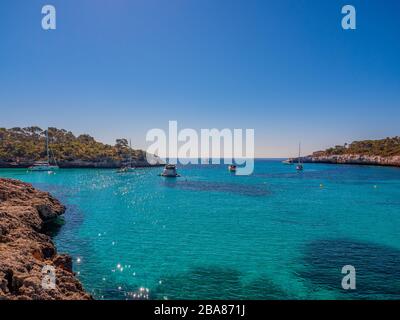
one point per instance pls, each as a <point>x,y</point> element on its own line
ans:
<point>26,253</point>
<point>357,159</point>
<point>384,152</point>
<point>22,147</point>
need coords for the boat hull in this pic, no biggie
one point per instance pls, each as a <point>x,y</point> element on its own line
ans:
<point>169,172</point>
<point>125,170</point>
<point>44,168</point>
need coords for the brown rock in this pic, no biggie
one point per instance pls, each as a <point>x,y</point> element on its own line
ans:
<point>25,250</point>
<point>357,159</point>
<point>64,262</point>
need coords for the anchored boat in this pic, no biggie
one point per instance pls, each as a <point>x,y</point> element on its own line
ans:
<point>288,161</point>
<point>45,165</point>
<point>130,167</point>
<point>299,166</point>
<point>170,171</point>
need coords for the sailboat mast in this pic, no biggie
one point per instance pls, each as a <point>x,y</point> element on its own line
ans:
<point>47,145</point>
<point>299,153</point>
<point>130,153</point>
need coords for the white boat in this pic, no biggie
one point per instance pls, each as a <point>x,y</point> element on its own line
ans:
<point>45,165</point>
<point>288,161</point>
<point>299,166</point>
<point>170,171</point>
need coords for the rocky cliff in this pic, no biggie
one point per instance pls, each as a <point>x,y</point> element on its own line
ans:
<point>25,250</point>
<point>354,159</point>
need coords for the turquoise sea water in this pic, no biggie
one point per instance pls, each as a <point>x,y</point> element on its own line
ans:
<point>277,234</point>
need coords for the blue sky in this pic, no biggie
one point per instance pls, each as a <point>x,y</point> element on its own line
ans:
<point>285,68</point>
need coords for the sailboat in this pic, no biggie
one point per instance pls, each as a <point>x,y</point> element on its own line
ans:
<point>45,165</point>
<point>299,166</point>
<point>129,168</point>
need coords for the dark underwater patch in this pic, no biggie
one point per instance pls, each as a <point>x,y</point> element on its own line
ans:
<point>377,267</point>
<point>240,189</point>
<point>215,283</point>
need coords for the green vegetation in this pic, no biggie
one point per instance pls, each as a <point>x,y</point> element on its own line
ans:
<point>29,144</point>
<point>385,148</point>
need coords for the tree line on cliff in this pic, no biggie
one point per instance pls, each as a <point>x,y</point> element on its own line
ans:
<point>29,144</point>
<point>387,147</point>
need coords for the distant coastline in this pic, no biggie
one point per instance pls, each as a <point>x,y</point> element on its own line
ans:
<point>355,159</point>
<point>384,152</point>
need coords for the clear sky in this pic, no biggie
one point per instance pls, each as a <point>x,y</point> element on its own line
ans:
<point>117,68</point>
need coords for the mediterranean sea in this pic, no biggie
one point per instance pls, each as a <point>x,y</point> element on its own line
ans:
<point>277,234</point>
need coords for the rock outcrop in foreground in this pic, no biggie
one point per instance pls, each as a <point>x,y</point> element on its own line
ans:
<point>354,159</point>
<point>25,250</point>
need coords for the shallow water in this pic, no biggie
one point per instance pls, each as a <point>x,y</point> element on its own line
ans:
<point>277,234</point>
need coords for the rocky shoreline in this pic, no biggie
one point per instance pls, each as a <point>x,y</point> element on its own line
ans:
<point>25,250</point>
<point>357,159</point>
